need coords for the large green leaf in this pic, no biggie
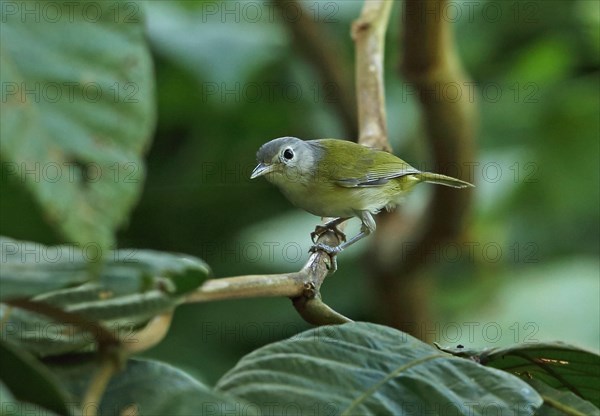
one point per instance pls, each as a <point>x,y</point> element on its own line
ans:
<point>77,110</point>
<point>131,287</point>
<point>150,388</point>
<point>560,366</point>
<point>362,368</point>
<point>560,403</point>
<point>29,268</point>
<point>28,381</point>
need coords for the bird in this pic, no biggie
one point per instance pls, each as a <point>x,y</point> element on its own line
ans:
<point>340,179</point>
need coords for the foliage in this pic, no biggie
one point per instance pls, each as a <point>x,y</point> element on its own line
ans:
<point>130,288</point>
<point>74,125</point>
<point>72,170</point>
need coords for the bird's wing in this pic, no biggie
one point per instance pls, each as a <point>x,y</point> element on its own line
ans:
<point>360,169</point>
<point>376,176</point>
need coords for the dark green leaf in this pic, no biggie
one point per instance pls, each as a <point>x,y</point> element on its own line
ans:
<point>362,368</point>
<point>132,287</point>
<point>29,268</point>
<point>561,366</point>
<point>559,403</point>
<point>150,388</point>
<point>77,111</point>
<point>28,380</point>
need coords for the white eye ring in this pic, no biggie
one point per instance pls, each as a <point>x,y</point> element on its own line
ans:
<point>288,154</point>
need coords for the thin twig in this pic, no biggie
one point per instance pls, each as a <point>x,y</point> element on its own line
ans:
<point>293,285</point>
<point>315,312</point>
<point>368,32</point>
<point>251,286</point>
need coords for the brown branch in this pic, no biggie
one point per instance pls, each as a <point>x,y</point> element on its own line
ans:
<point>314,311</point>
<point>368,32</point>
<point>430,63</point>
<point>326,57</point>
<point>302,287</point>
<point>252,286</point>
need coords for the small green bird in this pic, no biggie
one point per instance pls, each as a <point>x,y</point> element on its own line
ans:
<point>338,178</point>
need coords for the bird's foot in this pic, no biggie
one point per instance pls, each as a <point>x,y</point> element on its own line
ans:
<point>322,229</point>
<point>331,251</point>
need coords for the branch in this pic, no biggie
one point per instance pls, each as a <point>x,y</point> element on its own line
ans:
<point>368,32</point>
<point>252,286</point>
<point>302,287</point>
<point>325,57</point>
<point>430,62</point>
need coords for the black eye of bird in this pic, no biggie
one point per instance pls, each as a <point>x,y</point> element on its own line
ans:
<point>288,154</point>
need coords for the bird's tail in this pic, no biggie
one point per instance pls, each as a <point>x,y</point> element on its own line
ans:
<point>443,180</point>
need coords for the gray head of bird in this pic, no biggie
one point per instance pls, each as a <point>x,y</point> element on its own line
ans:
<point>287,159</point>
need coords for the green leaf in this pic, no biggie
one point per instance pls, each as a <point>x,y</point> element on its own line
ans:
<point>150,388</point>
<point>362,368</point>
<point>559,403</point>
<point>28,380</point>
<point>560,366</point>
<point>29,268</point>
<point>132,287</point>
<point>77,111</point>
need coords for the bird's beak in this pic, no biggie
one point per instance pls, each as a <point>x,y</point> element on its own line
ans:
<point>261,169</point>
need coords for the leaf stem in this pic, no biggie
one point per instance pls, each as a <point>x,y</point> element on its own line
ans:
<point>93,396</point>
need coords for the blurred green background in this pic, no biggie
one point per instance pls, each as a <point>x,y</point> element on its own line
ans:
<point>229,79</point>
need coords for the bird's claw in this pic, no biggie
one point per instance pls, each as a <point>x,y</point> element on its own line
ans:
<point>318,232</point>
<point>321,229</point>
<point>331,251</point>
